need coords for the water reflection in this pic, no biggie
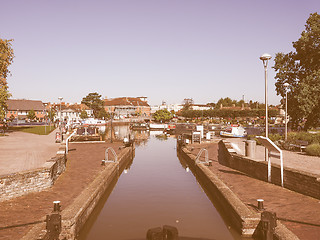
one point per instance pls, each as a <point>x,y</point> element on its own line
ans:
<point>158,190</point>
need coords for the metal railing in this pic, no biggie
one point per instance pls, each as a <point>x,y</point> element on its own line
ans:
<point>106,156</point>
<point>206,156</point>
<point>67,141</point>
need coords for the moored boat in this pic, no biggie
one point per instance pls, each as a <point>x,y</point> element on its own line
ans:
<point>235,131</point>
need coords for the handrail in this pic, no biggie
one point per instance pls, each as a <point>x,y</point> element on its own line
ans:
<point>106,155</point>
<point>206,158</point>
<point>67,140</point>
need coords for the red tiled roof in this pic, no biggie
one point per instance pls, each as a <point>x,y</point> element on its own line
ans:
<point>24,105</point>
<point>125,101</point>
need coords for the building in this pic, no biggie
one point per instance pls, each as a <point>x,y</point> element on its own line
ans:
<point>170,107</point>
<point>127,106</point>
<point>200,107</point>
<point>71,112</point>
<point>19,108</point>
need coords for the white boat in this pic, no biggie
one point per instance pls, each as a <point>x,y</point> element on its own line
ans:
<point>157,126</point>
<point>235,131</point>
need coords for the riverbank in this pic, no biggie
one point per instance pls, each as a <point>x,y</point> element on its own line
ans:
<point>21,214</point>
<point>298,213</point>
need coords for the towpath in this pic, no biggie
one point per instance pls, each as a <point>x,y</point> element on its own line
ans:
<point>84,163</point>
<point>22,151</point>
<point>299,213</point>
<point>295,160</point>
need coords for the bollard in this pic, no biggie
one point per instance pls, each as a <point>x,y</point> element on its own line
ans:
<point>250,149</point>
<point>53,221</point>
<point>170,233</point>
<point>268,225</point>
<point>260,204</point>
<point>154,234</point>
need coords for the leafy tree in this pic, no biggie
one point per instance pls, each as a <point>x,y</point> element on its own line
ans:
<point>51,114</point>
<point>162,115</point>
<point>6,58</point>
<point>187,103</point>
<point>226,102</point>
<point>102,114</point>
<point>31,115</point>
<point>301,70</point>
<point>11,118</point>
<point>94,101</point>
<point>83,114</point>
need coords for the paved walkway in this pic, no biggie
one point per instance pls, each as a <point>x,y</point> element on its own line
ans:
<point>83,165</point>
<point>299,213</point>
<point>24,151</point>
<point>296,160</point>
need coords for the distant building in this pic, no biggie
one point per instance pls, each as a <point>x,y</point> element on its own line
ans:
<point>71,112</point>
<point>19,108</point>
<point>200,107</point>
<point>170,107</point>
<point>127,106</point>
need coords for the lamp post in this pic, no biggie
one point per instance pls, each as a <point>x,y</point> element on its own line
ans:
<point>265,58</point>
<point>17,116</point>
<point>44,117</point>
<point>60,99</point>
<point>286,85</point>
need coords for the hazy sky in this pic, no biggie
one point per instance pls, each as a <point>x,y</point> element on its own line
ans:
<point>165,50</point>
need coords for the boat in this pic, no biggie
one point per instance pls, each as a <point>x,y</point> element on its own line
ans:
<point>234,131</point>
<point>139,126</point>
<point>157,126</point>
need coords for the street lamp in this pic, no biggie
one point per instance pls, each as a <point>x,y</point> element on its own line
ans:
<point>60,99</point>
<point>265,58</point>
<point>286,86</point>
<point>45,120</point>
<point>17,116</point>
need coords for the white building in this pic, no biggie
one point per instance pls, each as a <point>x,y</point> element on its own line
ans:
<point>200,107</point>
<point>171,107</point>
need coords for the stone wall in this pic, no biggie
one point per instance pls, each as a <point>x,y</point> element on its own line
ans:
<point>239,215</point>
<point>295,180</point>
<point>35,180</point>
<point>75,215</point>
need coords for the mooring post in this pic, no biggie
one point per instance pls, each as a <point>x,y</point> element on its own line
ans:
<point>165,233</point>
<point>154,234</point>
<point>268,225</point>
<point>170,233</point>
<point>53,221</point>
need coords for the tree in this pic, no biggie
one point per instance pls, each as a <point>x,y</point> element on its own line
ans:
<point>6,58</point>
<point>162,115</point>
<point>83,114</point>
<point>301,70</point>
<point>187,103</point>
<point>102,114</point>
<point>31,115</point>
<point>226,102</point>
<point>94,101</point>
<point>51,114</point>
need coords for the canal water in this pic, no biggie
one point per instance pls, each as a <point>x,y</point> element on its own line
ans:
<point>156,190</point>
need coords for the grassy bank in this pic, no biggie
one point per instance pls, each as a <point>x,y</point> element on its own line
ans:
<point>40,130</point>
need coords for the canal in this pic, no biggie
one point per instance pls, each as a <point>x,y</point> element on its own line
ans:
<point>156,191</point>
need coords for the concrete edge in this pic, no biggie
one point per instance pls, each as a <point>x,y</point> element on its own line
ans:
<point>76,214</point>
<point>232,151</point>
<point>242,218</point>
<point>281,231</point>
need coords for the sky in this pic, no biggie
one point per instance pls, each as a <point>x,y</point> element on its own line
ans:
<point>166,50</point>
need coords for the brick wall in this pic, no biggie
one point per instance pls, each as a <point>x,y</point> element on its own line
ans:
<point>20,183</point>
<point>295,180</point>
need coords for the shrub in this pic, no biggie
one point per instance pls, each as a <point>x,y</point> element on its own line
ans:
<point>275,137</point>
<point>313,149</point>
<point>305,136</point>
